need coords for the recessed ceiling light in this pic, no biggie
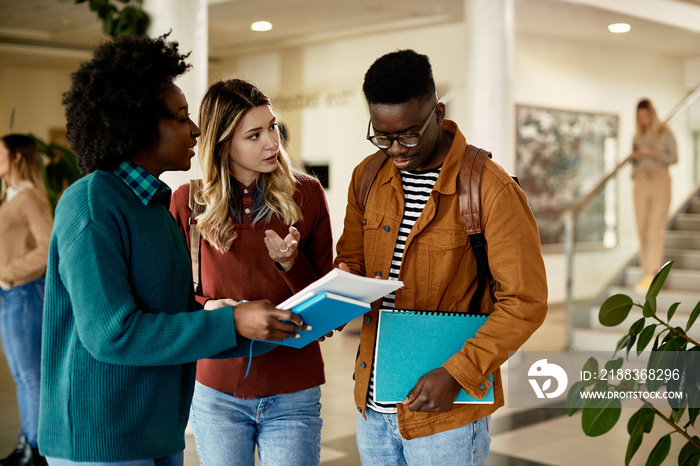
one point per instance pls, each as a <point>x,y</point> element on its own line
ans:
<point>261,26</point>
<point>619,28</point>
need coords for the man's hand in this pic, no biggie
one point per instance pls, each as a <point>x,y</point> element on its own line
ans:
<point>434,392</point>
<point>260,320</point>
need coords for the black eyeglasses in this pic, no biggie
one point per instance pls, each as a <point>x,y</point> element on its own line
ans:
<point>405,139</point>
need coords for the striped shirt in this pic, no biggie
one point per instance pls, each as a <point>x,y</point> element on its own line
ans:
<point>416,192</point>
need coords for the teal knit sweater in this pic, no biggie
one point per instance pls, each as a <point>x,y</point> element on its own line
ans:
<point>122,330</point>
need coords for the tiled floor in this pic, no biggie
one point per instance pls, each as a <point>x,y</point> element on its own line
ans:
<point>519,437</point>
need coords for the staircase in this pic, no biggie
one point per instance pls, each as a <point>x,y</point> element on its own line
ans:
<point>682,285</point>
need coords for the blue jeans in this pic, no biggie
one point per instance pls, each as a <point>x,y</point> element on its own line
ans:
<point>176,459</point>
<point>379,442</point>
<point>20,332</point>
<point>286,428</point>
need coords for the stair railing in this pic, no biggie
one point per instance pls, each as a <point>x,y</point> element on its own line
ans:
<point>569,217</point>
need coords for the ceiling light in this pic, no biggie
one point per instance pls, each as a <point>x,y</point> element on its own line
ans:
<point>261,26</point>
<point>619,28</point>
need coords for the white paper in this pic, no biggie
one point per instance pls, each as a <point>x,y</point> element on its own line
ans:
<point>346,284</point>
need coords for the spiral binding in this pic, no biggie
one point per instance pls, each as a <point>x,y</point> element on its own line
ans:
<point>436,313</point>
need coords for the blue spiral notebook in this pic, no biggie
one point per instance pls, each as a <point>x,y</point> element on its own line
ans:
<point>324,312</point>
<point>412,343</point>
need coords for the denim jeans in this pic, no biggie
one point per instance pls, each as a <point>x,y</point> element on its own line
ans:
<point>286,428</point>
<point>379,442</point>
<point>20,332</point>
<point>176,459</point>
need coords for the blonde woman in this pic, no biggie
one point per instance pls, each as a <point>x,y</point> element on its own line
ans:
<point>654,149</point>
<point>265,235</point>
<point>25,229</point>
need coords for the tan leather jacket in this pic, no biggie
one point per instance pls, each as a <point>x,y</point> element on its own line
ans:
<point>439,273</point>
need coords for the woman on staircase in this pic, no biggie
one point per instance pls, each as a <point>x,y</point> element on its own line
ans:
<point>653,150</point>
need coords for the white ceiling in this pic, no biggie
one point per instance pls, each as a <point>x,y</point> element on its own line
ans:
<point>59,31</point>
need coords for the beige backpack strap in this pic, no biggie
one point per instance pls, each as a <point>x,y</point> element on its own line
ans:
<point>369,173</point>
<point>195,238</point>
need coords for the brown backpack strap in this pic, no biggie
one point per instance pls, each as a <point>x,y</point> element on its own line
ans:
<point>195,238</point>
<point>369,173</point>
<point>470,208</point>
<point>469,183</point>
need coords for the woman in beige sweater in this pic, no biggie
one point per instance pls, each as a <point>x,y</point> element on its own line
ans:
<point>654,149</point>
<point>25,229</point>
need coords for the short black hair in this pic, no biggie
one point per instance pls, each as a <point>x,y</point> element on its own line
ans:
<point>399,76</point>
<point>115,100</point>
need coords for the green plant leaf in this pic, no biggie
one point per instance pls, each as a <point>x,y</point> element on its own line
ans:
<point>95,5</point>
<point>642,417</point>
<point>689,454</point>
<point>614,364</point>
<point>574,400</point>
<point>630,344</point>
<point>591,366</point>
<point>677,414</point>
<point>645,337</point>
<point>640,423</point>
<point>658,361</point>
<point>660,451</point>
<point>599,416</point>
<point>649,308</point>
<point>672,310</point>
<point>637,327</point>
<point>679,385</point>
<point>108,25</point>
<point>693,402</point>
<point>615,310</point>
<point>658,282</point>
<point>635,440</point>
<point>692,415</point>
<point>622,343</point>
<point>693,317</point>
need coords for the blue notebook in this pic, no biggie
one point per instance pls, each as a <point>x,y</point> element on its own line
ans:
<point>324,312</point>
<point>412,343</point>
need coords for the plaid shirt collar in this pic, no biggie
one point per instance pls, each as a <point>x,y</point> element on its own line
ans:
<point>143,184</point>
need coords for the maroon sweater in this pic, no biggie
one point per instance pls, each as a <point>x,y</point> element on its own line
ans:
<point>247,272</point>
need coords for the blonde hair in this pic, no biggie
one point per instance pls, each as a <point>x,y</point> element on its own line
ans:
<point>657,127</point>
<point>221,111</point>
<point>25,161</point>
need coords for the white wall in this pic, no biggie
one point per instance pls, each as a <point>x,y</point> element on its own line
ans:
<point>35,95</point>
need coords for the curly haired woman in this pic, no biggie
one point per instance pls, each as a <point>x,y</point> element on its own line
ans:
<point>122,330</point>
<point>269,223</point>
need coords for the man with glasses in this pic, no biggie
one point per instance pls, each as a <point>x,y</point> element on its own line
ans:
<point>411,229</point>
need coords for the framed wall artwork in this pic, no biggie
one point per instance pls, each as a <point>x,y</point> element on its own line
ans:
<point>561,156</point>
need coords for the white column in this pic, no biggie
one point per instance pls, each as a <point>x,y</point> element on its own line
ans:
<point>490,63</point>
<point>189,22</point>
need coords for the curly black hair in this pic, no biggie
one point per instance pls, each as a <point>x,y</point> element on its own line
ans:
<point>399,76</point>
<point>115,100</point>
